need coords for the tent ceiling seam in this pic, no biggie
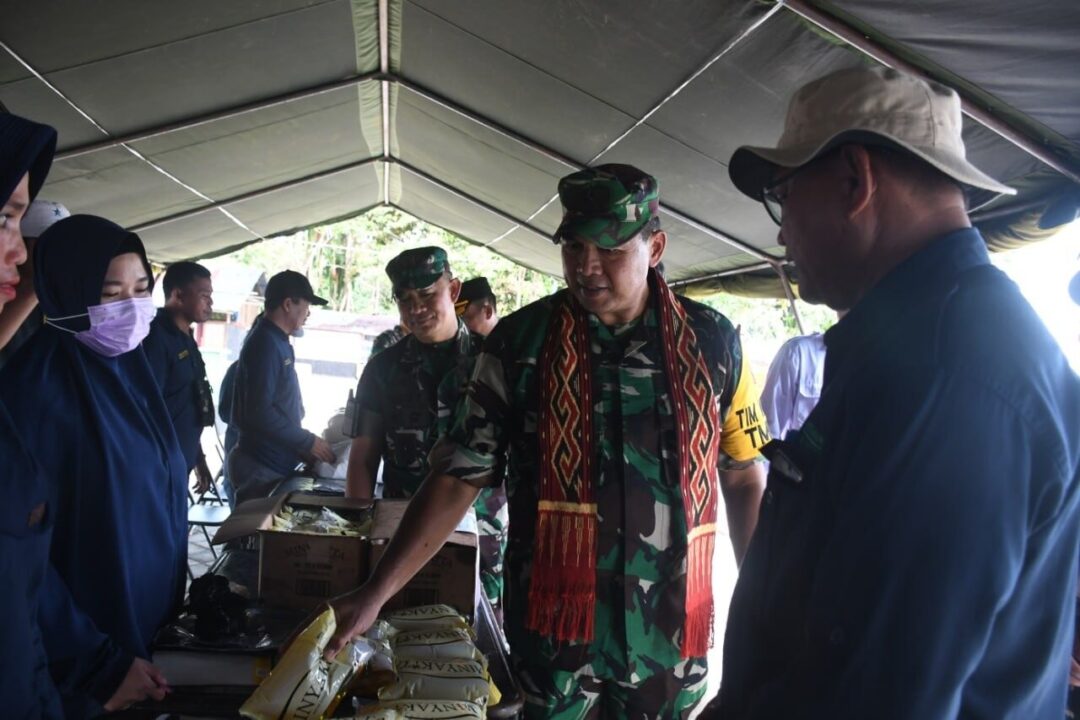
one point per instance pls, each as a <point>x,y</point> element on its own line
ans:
<point>235,111</point>
<point>469,197</point>
<point>187,38</point>
<point>473,242</point>
<point>984,116</point>
<point>19,59</point>
<point>384,93</point>
<point>252,194</point>
<point>727,48</point>
<point>523,61</point>
<point>552,154</point>
<point>717,56</point>
<point>421,91</point>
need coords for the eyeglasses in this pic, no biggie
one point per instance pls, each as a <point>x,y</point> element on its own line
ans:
<point>774,201</point>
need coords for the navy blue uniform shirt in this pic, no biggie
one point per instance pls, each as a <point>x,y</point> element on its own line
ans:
<point>177,365</point>
<point>916,552</point>
<point>267,407</point>
<point>225,403</point>
<point>26,690</point>
<point>99,433</point>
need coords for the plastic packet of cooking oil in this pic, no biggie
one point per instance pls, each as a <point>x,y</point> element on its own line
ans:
<point>466,680</point>
<point>377,673</point>
<point>426,617</point>
<point>431,644</point>
<point>375,712</point>
<point>304,686</point>
<point>422,710</point>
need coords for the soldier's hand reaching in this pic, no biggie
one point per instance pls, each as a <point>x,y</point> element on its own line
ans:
<point>354,612</point>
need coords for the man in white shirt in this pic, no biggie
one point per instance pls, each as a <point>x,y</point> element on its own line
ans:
<point>793,385</point>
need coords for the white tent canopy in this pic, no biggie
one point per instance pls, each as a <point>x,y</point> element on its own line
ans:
<point>208,125</point>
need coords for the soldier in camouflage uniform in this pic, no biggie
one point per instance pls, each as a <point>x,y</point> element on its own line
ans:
<point>634,651</point>
<point>478,306</point>
<point>402,389</point>
<point>388,338</point>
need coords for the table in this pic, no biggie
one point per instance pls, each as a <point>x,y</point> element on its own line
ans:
<point>241,567</point>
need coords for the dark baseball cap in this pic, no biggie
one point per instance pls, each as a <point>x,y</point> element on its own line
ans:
<point>473,290</point>
<point>290,284</point>
<point>608,204</point>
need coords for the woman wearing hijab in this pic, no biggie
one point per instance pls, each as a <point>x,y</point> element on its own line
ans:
<point>96,424</point>
<point>26,151</point>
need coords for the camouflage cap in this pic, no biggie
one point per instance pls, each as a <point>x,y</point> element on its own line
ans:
<point>608,204</point>
<point>417,268</point>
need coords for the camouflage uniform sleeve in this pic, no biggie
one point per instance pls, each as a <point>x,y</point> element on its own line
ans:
<point>478,432</point>
<point>744,426</point>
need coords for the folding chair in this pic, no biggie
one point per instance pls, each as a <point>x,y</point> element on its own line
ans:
<point>213,493</point>
<point>203,517</point>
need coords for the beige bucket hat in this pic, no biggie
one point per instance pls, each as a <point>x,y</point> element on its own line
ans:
<point>871,106</point>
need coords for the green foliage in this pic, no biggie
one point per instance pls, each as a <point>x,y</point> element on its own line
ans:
<point>769,321</point>
<point>346,261</point>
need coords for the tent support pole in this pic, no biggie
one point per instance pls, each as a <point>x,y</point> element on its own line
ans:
<point>833,25</point>
<point>384,94</point>
<point>673,284</point>
<point>779,267</point>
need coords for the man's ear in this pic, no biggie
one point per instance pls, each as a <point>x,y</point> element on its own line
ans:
<point>657,243</point>
<point>455,289</point>
<point>489,311</point>
<point>860,178</point>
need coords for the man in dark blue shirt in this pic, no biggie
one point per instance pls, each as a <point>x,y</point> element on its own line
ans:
<point>267,407</point>
<point>177,364</point>
<point>916,552</point>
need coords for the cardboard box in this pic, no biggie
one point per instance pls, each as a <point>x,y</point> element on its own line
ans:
<point>299,570</point>
<point>451,577</point>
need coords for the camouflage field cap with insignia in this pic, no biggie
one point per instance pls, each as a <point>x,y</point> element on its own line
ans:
<point>417,268</point>
<point>608,204</point>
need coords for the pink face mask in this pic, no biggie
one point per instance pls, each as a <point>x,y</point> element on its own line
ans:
<point>116,327</point>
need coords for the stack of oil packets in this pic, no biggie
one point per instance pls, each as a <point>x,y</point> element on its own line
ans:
<point>440,672</point>
<point>421,663</point>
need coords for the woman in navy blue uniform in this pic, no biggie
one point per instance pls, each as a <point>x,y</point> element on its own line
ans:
<point>94,421</point>
<point>26,517</point>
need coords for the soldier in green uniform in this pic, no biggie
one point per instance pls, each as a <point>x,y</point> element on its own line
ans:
<point>388,338</point>
<point>402,389</point>
<point>619,412</point>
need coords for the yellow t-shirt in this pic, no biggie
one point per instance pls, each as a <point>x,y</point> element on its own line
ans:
<point>745,429</point>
